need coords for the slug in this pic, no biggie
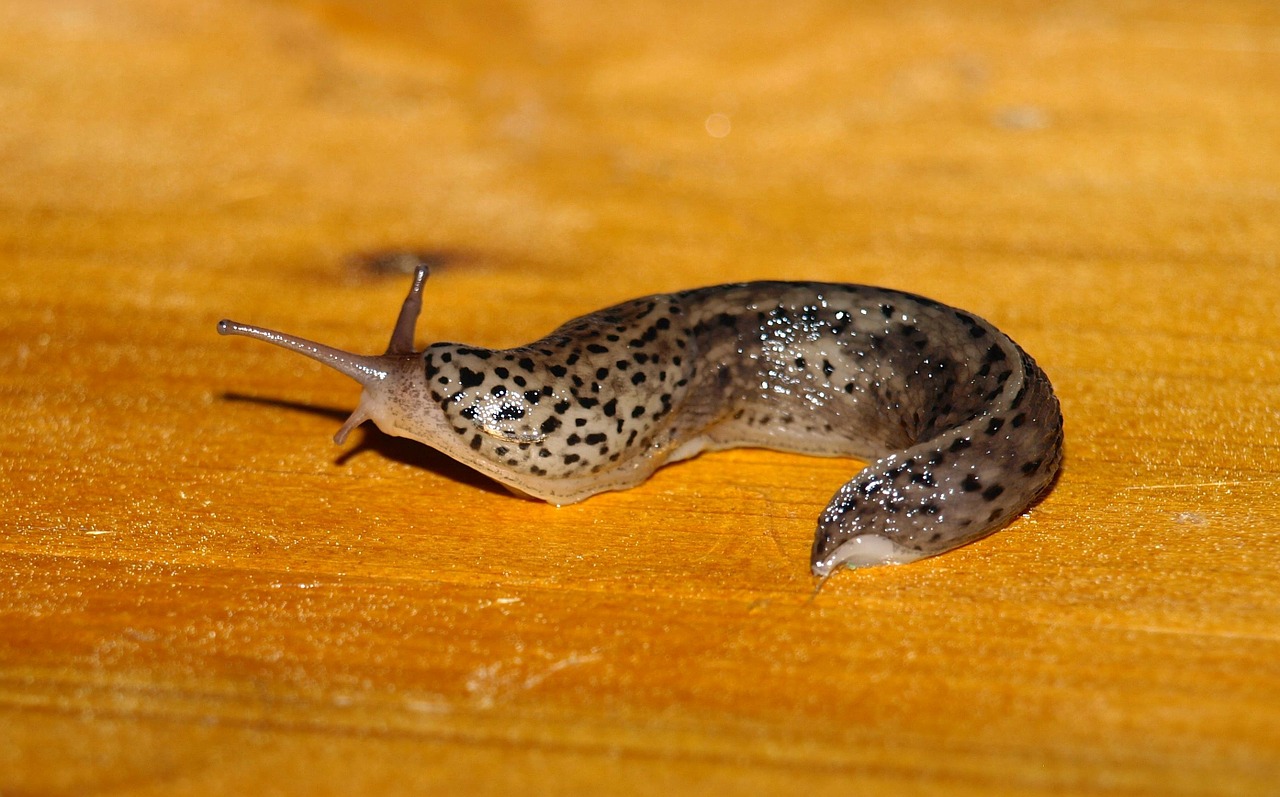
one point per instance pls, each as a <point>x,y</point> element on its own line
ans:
<point>962,429</point>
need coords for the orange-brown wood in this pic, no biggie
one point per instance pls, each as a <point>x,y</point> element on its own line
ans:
<point>199,594</point>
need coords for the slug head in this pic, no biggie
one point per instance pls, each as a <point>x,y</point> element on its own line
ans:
<point>390,380</point>
<point>503,413</point>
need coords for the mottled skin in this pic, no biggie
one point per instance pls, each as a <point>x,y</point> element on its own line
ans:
<point>961,427</point>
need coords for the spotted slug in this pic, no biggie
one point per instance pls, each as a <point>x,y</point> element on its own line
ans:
<point>961,427</point>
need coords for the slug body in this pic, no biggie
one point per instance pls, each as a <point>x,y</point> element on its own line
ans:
<point>961,428</point>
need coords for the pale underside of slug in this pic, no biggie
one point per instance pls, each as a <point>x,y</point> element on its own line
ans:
<point>962,429</point>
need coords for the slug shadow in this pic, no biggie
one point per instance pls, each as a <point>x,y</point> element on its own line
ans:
<point>377,264</point>
<point>372,439</point>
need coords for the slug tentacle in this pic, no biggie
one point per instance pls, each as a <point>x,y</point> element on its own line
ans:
<point>377,374</point>
<point>360,367</point>
<point>402,334</point>
<point>961,428</point>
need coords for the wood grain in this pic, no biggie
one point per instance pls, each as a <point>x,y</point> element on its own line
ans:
<point>199,594</point>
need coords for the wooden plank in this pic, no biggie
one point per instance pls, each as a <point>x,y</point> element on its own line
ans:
<point>201,595</point>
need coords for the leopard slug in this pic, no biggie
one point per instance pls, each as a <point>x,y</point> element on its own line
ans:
<point>961,427</point>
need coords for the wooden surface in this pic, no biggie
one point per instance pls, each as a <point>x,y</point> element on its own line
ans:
<point>200,594</point>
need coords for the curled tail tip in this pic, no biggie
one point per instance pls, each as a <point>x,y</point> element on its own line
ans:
<point>862,551</point>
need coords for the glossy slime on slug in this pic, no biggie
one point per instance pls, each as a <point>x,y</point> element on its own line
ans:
<point>961,427</point>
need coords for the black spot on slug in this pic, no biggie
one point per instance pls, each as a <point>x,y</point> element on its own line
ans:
<point>469,378</point>
<point>509,413</point>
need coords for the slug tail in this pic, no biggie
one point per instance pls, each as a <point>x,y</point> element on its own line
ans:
<point>953,489</point>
